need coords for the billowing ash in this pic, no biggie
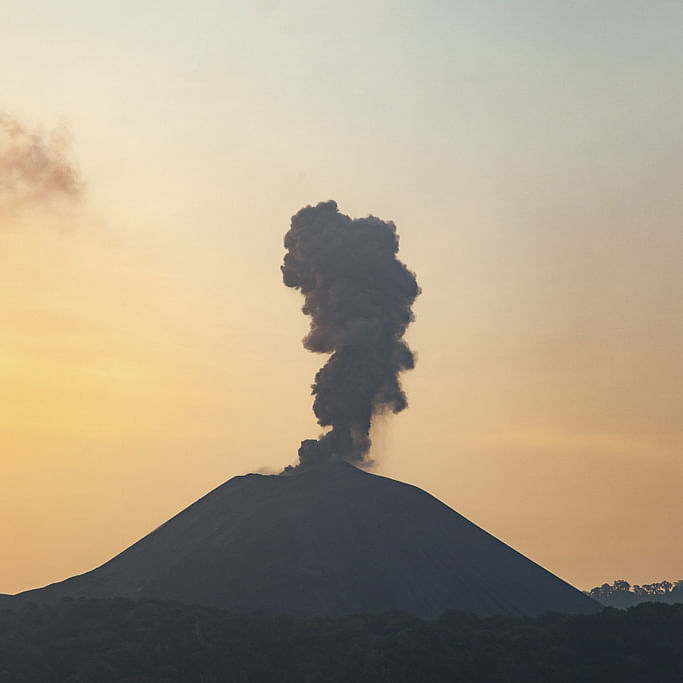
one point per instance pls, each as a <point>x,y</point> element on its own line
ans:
<point>359,296</point>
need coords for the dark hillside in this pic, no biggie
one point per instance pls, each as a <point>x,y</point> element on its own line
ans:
<point>121,641</point>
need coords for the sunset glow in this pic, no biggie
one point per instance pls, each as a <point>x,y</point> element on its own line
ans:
<point>531,161</point>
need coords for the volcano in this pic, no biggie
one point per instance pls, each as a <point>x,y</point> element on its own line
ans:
<point>329,540</point>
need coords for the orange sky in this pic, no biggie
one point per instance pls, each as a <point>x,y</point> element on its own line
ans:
<point>531,161</point>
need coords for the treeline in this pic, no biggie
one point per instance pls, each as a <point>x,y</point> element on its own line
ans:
<point>124,641</point>
<point>621,594</point>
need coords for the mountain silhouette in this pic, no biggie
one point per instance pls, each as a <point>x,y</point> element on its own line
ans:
<point>330,540</point>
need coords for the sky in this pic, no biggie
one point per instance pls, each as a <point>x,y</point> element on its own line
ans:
<point>530,154</point>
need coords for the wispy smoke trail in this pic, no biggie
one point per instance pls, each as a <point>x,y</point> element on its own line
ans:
<point>359,297</point>
<point>34,166</point>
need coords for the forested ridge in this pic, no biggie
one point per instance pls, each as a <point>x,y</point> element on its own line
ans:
<point>122,640</point>
<point>620,593</point>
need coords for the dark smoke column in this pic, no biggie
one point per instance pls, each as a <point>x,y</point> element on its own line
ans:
<point>359,297</point>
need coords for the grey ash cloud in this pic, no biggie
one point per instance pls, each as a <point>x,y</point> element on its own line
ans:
<point>35,166</point>
<point>359,296</point>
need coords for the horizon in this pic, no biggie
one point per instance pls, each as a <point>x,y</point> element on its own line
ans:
<point>530,157</point>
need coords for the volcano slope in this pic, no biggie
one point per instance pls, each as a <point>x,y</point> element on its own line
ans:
<point>328,540</point>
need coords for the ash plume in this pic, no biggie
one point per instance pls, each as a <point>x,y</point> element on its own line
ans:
<point>34,166</point>
<point>359,297</point>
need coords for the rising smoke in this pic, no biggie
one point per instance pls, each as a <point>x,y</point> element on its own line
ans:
<point>34,166</point>
<point>359,297</point>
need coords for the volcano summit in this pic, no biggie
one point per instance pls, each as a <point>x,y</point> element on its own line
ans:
<point>328,539</point>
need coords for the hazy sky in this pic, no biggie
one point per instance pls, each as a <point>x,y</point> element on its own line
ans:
<point>531,155</point>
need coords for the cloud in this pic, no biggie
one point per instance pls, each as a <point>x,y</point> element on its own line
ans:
<point>35,167</point>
